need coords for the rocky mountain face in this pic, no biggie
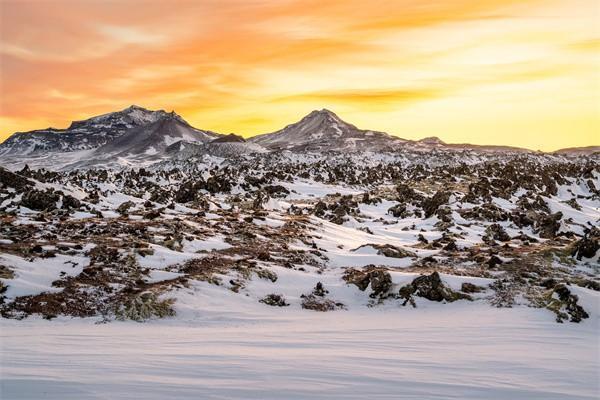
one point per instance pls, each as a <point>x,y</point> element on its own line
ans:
<point>139,137</point>
<point>323,131</point>
<point>152,139</point>
<point>81,135</point>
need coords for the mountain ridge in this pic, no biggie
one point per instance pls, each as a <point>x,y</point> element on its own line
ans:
<point>318,131</point>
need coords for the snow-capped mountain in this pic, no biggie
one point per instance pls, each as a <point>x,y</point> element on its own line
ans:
<point>81,135</point>
<point>163,138</point>
<point>323,130</point>
<point>136,136</point>
<point>154,138</point>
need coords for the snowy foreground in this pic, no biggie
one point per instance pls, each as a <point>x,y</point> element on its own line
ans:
<point>276,277</point>
<point>457,351</point>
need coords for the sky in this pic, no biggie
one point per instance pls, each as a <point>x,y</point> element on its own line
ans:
<point>520,73</point>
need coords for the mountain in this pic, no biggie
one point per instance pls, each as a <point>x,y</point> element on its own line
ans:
<point>81,135</point>
<point>579,151</point>
<point>148,143</point>
<point>432,140</point>
<point>154,138</point>
<point>136,136</point>
<point>322,130</point>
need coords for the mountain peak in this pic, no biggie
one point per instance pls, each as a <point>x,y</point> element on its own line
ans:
<point>432,140</point>
<point>323,114</point>
<point>135,107</point>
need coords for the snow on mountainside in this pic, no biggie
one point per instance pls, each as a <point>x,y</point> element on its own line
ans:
<point>228,148</point>
<point>324,131</point>
<point>136,136</point>
<point>154,138</point>
<point>81,135</point>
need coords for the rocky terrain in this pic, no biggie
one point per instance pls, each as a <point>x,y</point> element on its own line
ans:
<point>130,243</point>
<point>318,261</point>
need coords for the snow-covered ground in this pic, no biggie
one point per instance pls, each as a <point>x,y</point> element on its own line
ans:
<point>228,257</point>
<point>454,351</point>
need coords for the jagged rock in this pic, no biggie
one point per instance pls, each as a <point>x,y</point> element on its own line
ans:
<point>153,214</point>
<point>398,211</point>
<point>11,180</point>
<point>485,212</point>
<point>573,203</point>
<point>276,190</point>
<point>187,192</point>
<point>124,207</point>
<point>381,282</point>
<point>493,261</point>
<point>379,279</point>
<point>274,300</point>
<point>430,287</point>
<point>316,303</point>
<point>450,245</point>
<point>588,246</point>
<point>564,304</point>
<point>548,225</point>
<point>496,232</point>
<point>407,194</point>
<point>6,273</point>
<point>69,202</point>
<point>367,199</point>
<point>40,200</point>
<point>431,204</point>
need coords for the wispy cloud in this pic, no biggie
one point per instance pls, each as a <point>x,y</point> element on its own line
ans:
<point>446,68</point>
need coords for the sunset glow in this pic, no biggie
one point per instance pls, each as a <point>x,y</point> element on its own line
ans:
<point>520,73</point>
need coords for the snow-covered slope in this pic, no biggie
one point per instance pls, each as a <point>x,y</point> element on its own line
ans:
<point>324,131</point>
<point>136,136</point>
<point>154,138</point>
<point>365,275</point>
<point>81,135</point>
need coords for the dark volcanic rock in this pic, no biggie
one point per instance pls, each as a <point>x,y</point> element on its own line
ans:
<point>496,232</point>
<point>430,287</point>
<point>274,300</point>
<point>431,204</point>
<point>11,180</point>
<point>588,246</point>
<point>380,279</point>
<point>398,211</point>
<point>548,225</point>
<point>564,304</point>
<point>40,200</point>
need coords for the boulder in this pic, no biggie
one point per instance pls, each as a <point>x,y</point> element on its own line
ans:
<point>431,288</point>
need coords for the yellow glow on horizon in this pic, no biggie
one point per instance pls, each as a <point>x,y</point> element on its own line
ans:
<point>495,72</point>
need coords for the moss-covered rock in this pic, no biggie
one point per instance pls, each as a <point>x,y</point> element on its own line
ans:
<point>274,300</point>
<point>431,288</point>
<point>563,303</point>
<point>145,306</point>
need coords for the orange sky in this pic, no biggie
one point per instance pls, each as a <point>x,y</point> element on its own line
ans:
<point>523,73</point>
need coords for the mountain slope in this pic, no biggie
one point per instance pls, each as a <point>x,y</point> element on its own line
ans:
<point>323,130</point>
<point>81,135</point>
<point>154,138</point>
